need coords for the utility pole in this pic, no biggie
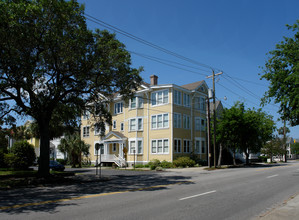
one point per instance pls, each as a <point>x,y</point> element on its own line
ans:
<point>285,141</point>
<point>214,112</point>
<point>209,133</point>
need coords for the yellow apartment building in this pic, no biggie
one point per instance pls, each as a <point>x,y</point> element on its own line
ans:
<point>161,122</point>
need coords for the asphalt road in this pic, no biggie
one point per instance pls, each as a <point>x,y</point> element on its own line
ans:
<point>238,193</point>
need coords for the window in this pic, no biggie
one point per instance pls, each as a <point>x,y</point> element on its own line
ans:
<point>197,103</point>
<point>160,121</point>
<point>197,123</point>
<point>186,121</point>
<point>114,147</point>
<point>186,100</point>
<point>86,131</point>
<point>177,120</point>
<point>203,147</point>
<point>133,102</point>
<point>118,108</point>
<point>160,146</point>
<point>114,124</point>
<point>177,97</point>
<point>203,124</point>
<point>197,147</point>
<point>136,102</point>
<point>122,127</point>
<point>101,150</point>
<point>140,102</point>
<point>202,104</point>
<point>136,124</point>
<point>177,145</point>
<point>186,146</point>
<point>159,98</point>
<point>86,115</point>
<point>132,146</point>
<point>200,147</point>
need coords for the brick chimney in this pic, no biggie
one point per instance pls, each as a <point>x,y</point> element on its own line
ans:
<point>154,80</point>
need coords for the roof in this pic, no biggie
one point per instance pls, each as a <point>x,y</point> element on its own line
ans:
<point>193,86</point>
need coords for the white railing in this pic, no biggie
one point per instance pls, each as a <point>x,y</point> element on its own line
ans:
<point>120,161</point>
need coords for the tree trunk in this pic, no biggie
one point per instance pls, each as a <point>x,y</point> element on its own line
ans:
<point>220,155</point>
<point>44,158</point>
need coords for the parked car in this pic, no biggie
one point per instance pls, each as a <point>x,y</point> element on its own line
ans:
<point>54,165</point>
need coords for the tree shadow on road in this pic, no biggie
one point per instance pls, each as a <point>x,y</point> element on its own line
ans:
<point>47,199</point>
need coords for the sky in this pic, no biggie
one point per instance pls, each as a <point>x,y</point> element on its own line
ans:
<point>232,36</point>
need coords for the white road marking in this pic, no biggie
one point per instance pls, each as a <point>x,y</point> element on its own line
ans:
<point>272,176</point>
<point>189,197</point>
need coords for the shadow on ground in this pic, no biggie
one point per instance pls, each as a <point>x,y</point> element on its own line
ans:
<point>46,199</point>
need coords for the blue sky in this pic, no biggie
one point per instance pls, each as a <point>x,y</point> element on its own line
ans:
<point>233,36</point>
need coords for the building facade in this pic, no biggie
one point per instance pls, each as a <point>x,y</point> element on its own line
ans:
<point>160,122</point>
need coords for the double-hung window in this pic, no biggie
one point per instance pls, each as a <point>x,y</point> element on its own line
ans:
<point>177,97</point>
<point>186,146</point>
<point>200,146</point>
<point>186,121</point>
<point>186,100</point>
<point>197,123</point>
<point>122,127</point>
<point>136,124</point>
<point>159,97</point>
<point>160,146</point>
<point>136,102</point>
<point>160,121</point>
<point>203,124</point>
<point>118,108</point>
<point>177,146</point>
<point>136,146</point>
<point>86,131</point>
<point>177,120</point>
<point>114,124</point>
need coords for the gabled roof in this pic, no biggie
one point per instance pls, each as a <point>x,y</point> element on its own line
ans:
<point>193,86</point>
<point>116,134</point>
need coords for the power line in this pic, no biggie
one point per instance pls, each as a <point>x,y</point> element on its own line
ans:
<point>106,25</point>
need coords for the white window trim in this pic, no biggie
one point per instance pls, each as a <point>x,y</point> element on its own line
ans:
<point>121,109</point>
<point>122,126</point>
<point>177,100</point>
<point>136,125</point>
<point>156,127</point>
<point>85,132</point>
<point>156,140</point>
<point>188,118</point>
<point>176,151</point>
<point>156,98</point>
<point>183,145</point>
<point>186,102</point>
<point>199,128</point>
<point>177,120</point>
<point>86,115</point>
<point>200,139</point>
<point>114,124</point>
<point>136,146</point>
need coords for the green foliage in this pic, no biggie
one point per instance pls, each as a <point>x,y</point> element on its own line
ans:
<point>282,71</point>
<point>183,162</point>
<point>51,65</point>
<point>263,159</point>
<point>9,160</point>
<point>166,164</point>
<point>62,161</point>
<point>24,155</point>
<point>295,148</point>
<point>244,129</point>
<point>153,164</point>
<point>75,148</point>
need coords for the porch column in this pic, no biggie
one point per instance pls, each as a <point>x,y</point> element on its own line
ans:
<point>107,148</point>
<point>121,153</point>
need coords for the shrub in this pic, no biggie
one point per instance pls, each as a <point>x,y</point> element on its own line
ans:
<point>153,164</point>
<point>183,162</point>
<point>263,158</point>
<point>9,160</point>
<point>24,155</point>
<point>2,155</point>
<point>139,166</point>
<point>166,164</point>
<point>62,161</point>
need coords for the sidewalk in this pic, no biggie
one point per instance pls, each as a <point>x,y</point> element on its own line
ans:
<point>289,210</point>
